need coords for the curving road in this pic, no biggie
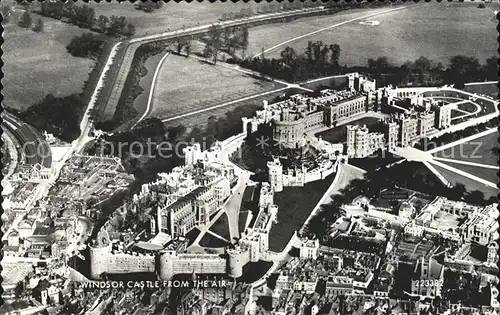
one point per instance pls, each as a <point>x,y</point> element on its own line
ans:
<point>132,45</point>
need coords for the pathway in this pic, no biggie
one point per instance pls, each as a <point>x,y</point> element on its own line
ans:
<point>427,158</point>
<point>323,29</point>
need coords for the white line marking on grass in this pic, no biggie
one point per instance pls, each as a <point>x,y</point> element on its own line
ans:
<point>222,105</point>
<point>464,174</point>
<point>325,29</point>
<point>464,140</point>
<point>466,163</point>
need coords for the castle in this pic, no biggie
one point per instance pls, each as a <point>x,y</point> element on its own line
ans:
<point>412,114</point>
<point>172,259</point>
<point>292,119</point>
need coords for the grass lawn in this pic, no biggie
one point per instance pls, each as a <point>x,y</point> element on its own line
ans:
<point>200,120</point>
<point>242,220</point>
<point>172,15</point>
<point>221,227</point>
<point>294,206</point>
<point>192,235</point>
<point>469,184</point>
<point>37,64</point>
<point>186,84</point>
<point>484,173</point>
<point>434,30</point>
<point>481,150</point>
<point>332,83</point>
<point>490,89</point>
<point>468,107</point>
<point>456,113</point>
<point>254,270</point>
<point>339,134</point>
<point>208,240</point>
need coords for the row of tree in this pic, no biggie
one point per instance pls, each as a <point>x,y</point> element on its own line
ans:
<point>428,144</point>
<point>318,59</point>
<point>229,40</point>
<point>148,6</point>
<point>423,71</point>
<point>269,8</point>
<point>84,16</point>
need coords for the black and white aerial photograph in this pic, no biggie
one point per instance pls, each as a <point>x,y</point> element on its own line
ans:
<point>250,158</point>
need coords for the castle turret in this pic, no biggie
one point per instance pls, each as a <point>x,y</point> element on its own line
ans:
<point>275,170</point>
<point>237,258</point>
<point>165,263</point>
<point>98,261</point>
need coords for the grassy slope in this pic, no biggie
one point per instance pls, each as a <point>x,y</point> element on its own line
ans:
<point>484,173</point>
<point>36,64</point>
<point>294,206</point>
<point>172,15</point>
<point>477,151</point>
<point>469,184</point>
<point>186,84</point>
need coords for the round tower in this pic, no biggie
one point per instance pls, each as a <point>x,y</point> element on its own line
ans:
<point>166,264</point>
<point>98,261</point>
<point>235,262</point>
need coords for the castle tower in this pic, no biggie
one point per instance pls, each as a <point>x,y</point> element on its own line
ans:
<point>166,264</point>
<point>275,170</point>
<point>98,261</point>
<point>492,258</point>
<point>351,139</point>
<point>192,154</point>
<point>236,262</point>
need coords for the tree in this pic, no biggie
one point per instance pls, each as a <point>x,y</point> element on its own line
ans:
<point>187,47</point>
<point>25,20</point>
<point>19,289</point>
<point>38,27</point>
<point>6,11</point>
<point>117,25</point>
<point>130,30</point>
<point>180,43</point>
<point>214,40</point>
<point>475,197</point>
<point>490,69</point>
<point>289,56</point>
<point>102,23</point>
<point>462,69</point>
<point>207,51</point>
<point>86,45</point>
<point>244,40</point>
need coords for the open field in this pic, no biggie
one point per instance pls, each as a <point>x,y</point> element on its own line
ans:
<point>481,150</point>
<point>468,107</point>
<point>208,240</point>
<point>37,64</point>
<point>294,206</point>
<point>200,120</point>
<point>434,30</point>
<point>172,15</point>
<point>469,184</point>
<point>339,134</point>
<point>221,227</point>
<point>186,84</point>
<point>484,173</point>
